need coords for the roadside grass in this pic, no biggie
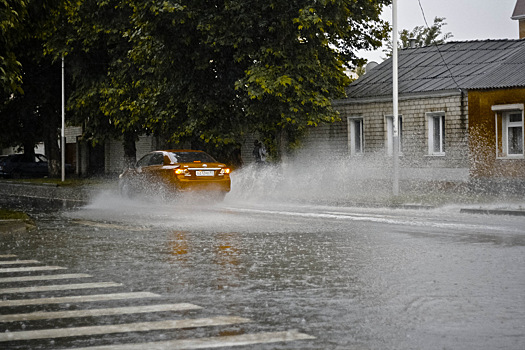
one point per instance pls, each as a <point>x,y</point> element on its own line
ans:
<point>13,220</point>
<point>6,214</point>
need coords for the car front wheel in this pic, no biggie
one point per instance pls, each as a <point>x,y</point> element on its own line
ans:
<point>125,189</point>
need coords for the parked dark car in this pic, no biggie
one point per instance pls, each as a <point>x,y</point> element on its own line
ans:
<point>19,165</point>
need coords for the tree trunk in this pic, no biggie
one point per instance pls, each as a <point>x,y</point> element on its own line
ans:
<point>29,151</point>
<point>282,140</point>
<point>130,150</point>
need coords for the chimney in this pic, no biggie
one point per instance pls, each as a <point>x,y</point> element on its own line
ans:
<point>519,15</point>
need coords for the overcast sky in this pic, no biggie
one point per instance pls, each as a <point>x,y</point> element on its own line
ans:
<point>466,19</point>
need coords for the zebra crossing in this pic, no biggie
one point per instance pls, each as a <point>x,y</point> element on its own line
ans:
<point>30,270</point>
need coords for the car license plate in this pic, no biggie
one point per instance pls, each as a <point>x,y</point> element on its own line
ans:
<point>204,172</point>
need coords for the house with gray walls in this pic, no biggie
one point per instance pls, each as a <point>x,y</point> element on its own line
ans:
<point>436,84</point>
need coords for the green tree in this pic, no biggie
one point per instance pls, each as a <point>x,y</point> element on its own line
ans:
<point>275,71</point>
<point>179,70</point>
<point>91,35</point>
<point>421,36</point>
<point>12,16</point>
<point>30,94</point>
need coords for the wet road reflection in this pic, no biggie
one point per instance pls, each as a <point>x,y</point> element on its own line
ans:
<point>353,278</point>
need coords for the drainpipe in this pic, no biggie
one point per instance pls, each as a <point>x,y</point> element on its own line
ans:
<point>462,105</point>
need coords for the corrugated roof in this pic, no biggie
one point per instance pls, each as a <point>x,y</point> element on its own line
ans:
<point>450,66</point>
<point>508,73</point>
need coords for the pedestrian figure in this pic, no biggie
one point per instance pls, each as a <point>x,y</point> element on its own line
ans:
<point>259,152</point>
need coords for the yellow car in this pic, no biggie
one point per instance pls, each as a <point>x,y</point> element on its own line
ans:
<point>174,171</point>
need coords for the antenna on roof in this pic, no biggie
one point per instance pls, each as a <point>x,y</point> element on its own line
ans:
<point>371,65</point>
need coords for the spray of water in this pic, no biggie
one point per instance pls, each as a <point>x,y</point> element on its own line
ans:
<point>313,180</point>
<point>312,177</point>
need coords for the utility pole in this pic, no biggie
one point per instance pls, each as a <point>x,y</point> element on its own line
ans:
<point>395,155</point>
<point>63,132</point>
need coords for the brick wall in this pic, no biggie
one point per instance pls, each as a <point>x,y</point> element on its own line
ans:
<point>326,140</point>
<point>71,133</point>
<point>114,152</point>
<point>334,138</point>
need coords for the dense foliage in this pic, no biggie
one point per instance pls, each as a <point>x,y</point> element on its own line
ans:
<point>30,81</point>
<point>207,71</point>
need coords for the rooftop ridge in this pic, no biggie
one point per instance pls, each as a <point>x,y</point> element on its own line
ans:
<point>469,64</point>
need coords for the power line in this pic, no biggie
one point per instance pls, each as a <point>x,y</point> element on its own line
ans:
<point>437,47</point>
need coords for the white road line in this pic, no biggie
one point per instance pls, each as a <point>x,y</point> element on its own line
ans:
<point>77,299</point>
<point>16,262</point>
<point>212,342</point>
<point>59,287</point>
<point>43,277</point>
<point>121,328</point>
<point>7,256</point>
<point>98,312</point>
<point>30,269</point>
<point>110,226</point>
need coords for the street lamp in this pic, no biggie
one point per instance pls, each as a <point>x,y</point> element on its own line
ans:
<point>63,133</point>
<point>395,156</point>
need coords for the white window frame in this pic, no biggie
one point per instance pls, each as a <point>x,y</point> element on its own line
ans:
<point>503,124</point>
<point>431,119</point>
<point>390,134</point>
<point>356,145</point>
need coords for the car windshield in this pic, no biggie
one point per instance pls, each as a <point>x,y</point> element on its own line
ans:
<point>190,157</point>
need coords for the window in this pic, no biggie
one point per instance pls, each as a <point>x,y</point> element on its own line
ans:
<point>390,134</point>
<point>355,135</point>
<point>39,158</point>
<point>436,133</point>
<point>509,130</point>
<point>144,161</point>
<point>157,159</point>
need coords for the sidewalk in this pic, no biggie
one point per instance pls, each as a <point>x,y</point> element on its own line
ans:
<point>80,194</point>
<point>73,195</point>
<point>51,191</point>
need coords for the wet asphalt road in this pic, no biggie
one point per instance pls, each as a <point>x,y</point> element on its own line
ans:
<point>346,278</point>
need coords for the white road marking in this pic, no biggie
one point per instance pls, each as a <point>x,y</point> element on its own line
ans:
<point>98,312</point>
<point>379,218</point>
<point>110,226</point>
<point>44,277</point>
<point>208,343</point>
<point>77,299</point>
<point>7,256</point>
<point>30,269</point>
<point>121,328</point>
<point>16,262</point>
<point>59,287</point>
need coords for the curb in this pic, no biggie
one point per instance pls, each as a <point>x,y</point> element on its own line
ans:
<point>493,212</point>
<point>47,191</point>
